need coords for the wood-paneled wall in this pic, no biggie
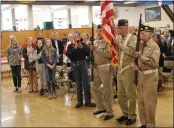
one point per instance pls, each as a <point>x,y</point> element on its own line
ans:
<point>22,35</point>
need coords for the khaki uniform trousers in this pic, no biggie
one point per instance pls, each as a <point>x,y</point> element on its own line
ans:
<point>103,101</point>
<point>127,93</point>
<point>147,98</point>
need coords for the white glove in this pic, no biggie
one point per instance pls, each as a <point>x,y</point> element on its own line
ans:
<point>119,38</point>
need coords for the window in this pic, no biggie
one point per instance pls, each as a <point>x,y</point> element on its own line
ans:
<point>61,19</point>
<point>6,20</point>
<point>41,14</point>
<point>79,16</point>
<point>21,16</point>
<point>96,14</point>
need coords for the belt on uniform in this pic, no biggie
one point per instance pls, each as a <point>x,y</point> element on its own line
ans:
<point>79,62</point>
<point>103,65</point>
<point>125,68</point>
<point>148,71</point>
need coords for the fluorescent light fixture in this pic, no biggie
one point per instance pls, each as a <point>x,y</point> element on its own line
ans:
<point>8,118</point>
<point>129,2</point>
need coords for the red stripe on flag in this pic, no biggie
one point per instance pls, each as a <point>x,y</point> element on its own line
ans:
<point>108,28</point>
<point>104,4</point>
<point>109,15</point>
<point>108,36</point>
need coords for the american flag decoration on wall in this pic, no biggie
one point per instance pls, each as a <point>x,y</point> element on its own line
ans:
<point>108,28</point>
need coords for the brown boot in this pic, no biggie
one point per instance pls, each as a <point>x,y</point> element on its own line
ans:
<point>54,95</point>
<point>49,96</point>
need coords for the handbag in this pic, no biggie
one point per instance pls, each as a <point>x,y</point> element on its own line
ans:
<point>168,64</point>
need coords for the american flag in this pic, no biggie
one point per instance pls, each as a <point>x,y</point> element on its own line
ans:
<point>108,28</point>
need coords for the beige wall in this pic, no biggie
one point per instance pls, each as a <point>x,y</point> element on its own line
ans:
<point>133,13</point>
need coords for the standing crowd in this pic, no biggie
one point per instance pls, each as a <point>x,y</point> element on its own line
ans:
<point>42,57</point>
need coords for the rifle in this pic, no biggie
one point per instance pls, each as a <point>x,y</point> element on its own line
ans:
<point>137,50</point>
<point>92,55</point>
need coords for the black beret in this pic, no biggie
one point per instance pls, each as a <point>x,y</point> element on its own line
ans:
<point>147,28</point>
<point>99,26</point>
<point>123,22</point>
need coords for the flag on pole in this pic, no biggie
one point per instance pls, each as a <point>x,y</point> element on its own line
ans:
<point>108,28</point>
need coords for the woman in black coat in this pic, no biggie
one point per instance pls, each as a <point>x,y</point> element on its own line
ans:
<point>163,49</point>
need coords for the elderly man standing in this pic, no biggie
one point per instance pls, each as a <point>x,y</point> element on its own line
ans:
<point>125,76</point>
<point>102,75</point>
<point>148,77</point>
<point>57,44</point>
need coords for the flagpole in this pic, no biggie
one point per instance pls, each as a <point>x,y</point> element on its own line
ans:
<point>113,24</point>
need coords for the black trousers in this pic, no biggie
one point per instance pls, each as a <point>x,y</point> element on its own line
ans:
<point>16,73</point>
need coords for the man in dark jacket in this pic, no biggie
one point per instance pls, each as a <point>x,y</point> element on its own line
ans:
<point>168,39</point>
<point>64,39</point>
<point>57,44</point>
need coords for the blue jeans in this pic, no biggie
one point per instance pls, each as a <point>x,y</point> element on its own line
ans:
<point>51,79</point>
<point>16,73</point>
<point>82,81</point>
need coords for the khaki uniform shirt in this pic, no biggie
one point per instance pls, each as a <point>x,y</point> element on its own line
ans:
<point>150,53</point>
<point>129,51</point>
<point>102,55</point>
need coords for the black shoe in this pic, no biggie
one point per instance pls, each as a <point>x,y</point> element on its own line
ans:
<point>46,90</point>
<point>143,126</point>
<point>90,105</point>
<point>41,92</point>
<point>115,96</point>
<point>162,87</point>
<point>122,119</point>
<point>130,121</point>
<point>99,112</point>
<point>108,117</point>
<point>15,90</point>
<point>159,90</point>
<point>78,105</point>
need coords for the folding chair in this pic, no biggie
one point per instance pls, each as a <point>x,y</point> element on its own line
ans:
<point>25,75</point>
<point>63,83</point>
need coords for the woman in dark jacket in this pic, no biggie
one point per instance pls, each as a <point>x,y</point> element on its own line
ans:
<point>77,52</point>
<point>41,67</point>
<point>29,54</point>
<point>163,49</point>
<point>49,58</point>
